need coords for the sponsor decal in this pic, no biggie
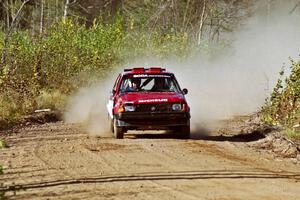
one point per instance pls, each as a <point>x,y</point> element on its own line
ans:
<point>152,100</point>
<point>150,75</point>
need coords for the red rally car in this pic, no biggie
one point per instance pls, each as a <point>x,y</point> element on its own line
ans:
<point>148,99</point>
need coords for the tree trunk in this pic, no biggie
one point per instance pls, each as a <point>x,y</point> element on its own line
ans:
<point>7,16</point>
<point>56,11</point>
<point>115,6</point>
<point>42,17</point>
<point>185,16</point>
<point>202,19</point>
<point>66,9</point>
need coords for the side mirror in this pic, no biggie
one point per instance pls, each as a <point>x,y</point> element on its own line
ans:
<point>185,91</point>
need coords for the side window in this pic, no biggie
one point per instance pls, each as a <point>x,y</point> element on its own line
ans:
<point>116,83</point>
<point>171,86</point>
<point>124,85</point>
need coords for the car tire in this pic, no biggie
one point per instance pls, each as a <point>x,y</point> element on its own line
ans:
<point>110,122</point>
<point>111,125</point>
<point>182,132</point>
<point>118,131</point>
<point>185,132</point>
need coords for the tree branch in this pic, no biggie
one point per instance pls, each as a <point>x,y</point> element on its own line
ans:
<point>202,19</point>
<point>298,4</point>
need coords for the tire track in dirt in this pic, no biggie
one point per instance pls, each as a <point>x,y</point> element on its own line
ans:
<point>113,156</point>
<point>49,166</point>
<point>223,152</point>
<point>85,167</point>
<point>162,160</point>
<point>183,175</point>
<point>168,154</point>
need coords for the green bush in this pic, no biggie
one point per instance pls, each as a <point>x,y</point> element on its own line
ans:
<point>40,71</point>
<point>292,133</point>
<point>283,107</point>
<point>2,197</point>
<point>3,145</point>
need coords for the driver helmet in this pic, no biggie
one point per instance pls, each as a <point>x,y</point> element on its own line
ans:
<point>135,81</point>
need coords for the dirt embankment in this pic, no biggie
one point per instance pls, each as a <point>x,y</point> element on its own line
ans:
<point>262,137</point>
<point>36,118</point>
<point>58,160</point>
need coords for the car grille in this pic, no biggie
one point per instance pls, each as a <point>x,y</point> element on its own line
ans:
<point>154,108</point>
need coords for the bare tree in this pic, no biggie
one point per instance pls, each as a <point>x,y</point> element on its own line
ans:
<point>42,17</point>
<point>185,15</point>
<point>295,7</point>
<point>66,9</point>
<point>202,19</point>
<point>115,6</point>
<point>7,15</point>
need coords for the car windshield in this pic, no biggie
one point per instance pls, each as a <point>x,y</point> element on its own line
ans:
<point>149,83</point>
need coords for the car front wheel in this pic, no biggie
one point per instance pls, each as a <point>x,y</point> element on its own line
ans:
<point>182,132</point>
<point>118,131</point>
<point>185,132</point>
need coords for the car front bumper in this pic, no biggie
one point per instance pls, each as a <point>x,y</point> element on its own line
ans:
<point>151,120</point>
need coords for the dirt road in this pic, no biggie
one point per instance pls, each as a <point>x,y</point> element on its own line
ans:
<point>60,161</point>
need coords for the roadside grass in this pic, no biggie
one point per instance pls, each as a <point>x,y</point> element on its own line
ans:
<point>54,100</point>
<point>13,105</point>
<point>292,134</point>
<point>283,105</point>
<point>2,197</point>
<point>3,144</point>
<point>2,194</point>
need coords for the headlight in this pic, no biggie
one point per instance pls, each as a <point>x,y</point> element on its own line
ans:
<point>176,107</point>
<point>129,108</point>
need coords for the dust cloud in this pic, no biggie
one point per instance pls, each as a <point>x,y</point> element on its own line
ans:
<point>238,82</point>
<point>235,81</point>
<point>88,107</point>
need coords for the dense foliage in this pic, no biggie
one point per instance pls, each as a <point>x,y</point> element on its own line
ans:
<point>50,48</point>
<point>283,107</point>
<point>40,70</point>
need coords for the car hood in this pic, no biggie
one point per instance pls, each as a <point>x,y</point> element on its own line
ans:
<point>152,97</point>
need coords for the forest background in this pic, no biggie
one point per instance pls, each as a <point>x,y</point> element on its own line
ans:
<point>51,48</point>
